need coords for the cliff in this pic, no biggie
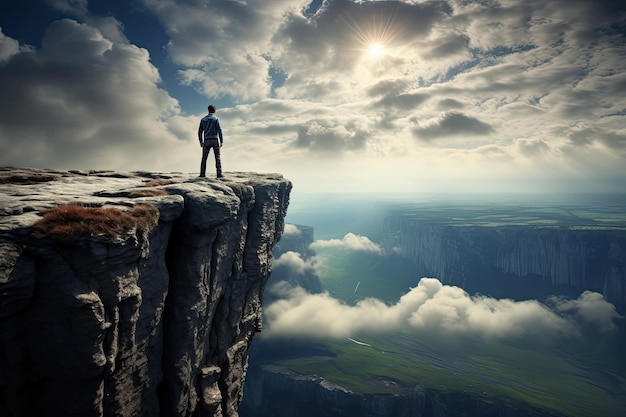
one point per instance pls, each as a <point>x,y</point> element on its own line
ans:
<point>131,294</point>
<point>515,261</point>
<point>312,396</point>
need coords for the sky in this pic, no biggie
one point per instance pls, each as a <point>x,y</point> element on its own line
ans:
<point>338,96</point>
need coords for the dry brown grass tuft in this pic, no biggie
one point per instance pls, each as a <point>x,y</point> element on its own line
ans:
<point>157,182</point>
<point>149,192</point>
<point>72,220</point>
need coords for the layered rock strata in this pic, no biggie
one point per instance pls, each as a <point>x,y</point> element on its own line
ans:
<point>136,319</point>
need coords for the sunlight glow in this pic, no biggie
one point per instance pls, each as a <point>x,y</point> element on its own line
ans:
<point>375,50</point>
<point>373,37</point>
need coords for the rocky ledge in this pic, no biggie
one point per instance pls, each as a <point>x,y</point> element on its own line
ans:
<point>131,294</point>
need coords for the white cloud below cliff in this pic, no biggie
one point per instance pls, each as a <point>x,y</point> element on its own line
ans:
<point>351,242</point>
<point>433,309</point>
<point>294,262</point>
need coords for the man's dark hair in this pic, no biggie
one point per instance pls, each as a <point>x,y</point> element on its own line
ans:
<point>211,108</point>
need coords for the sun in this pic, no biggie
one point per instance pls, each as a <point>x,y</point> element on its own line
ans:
<point>375,37</point>
<point>375,50</point>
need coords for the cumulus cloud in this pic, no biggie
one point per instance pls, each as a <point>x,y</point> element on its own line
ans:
<point>349,242</point>
<point>224,46</point>
<point>591,308</point>
<point>83,100</point>
<point>8,46</point>
<point>434,309</point>
<point>69,6</point>
<point>291,230</point>
<point>295,264</point>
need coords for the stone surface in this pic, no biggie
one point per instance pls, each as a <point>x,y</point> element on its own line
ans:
<point>142,323</point>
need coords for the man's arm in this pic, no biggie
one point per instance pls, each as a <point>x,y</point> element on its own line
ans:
<point>219,133</point>
<point>200,130</point>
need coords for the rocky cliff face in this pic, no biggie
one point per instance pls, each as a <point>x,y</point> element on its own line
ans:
<point>141,301</point>
<point>515,258</point>
<point>313,396</point>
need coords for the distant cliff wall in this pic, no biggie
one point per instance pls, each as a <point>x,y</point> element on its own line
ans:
<point>313,396</point>
<point>118,315</point>
<point>550,259</point>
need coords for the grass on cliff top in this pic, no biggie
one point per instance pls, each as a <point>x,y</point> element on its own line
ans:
<point>548,215</point>
<point>72,220</point>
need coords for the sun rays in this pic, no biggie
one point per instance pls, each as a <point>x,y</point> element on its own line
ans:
<point>375,35</point>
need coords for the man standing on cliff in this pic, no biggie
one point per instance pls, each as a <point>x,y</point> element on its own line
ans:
<point>210,136</point>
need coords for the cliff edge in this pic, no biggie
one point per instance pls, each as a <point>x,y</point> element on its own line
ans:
<point>131,294</point>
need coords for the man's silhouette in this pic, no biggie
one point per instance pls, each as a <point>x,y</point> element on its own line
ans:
<point>210,136</point>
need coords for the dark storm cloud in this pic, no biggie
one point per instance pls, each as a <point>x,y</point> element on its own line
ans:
<point>453,124</point>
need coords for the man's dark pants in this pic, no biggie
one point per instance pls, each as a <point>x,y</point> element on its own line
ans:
<point>208,144</point>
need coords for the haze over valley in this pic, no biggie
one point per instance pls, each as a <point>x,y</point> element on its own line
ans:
<point>351,308</point>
